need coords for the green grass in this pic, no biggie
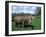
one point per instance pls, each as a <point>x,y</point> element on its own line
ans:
<point>13,26</point>
<point>36,22</point>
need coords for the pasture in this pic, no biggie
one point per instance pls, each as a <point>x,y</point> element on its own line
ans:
<point>36,22</point>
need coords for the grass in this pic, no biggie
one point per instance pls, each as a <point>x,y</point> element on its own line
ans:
<point>36,22</point>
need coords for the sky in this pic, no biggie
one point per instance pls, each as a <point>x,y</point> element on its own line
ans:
<point>23,9</point>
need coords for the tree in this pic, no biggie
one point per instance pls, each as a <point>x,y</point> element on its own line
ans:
<point>38,11</point>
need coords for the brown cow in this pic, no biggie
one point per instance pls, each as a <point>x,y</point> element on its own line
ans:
<point>23,19</point>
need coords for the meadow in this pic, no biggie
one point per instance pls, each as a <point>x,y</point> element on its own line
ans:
<point>36,22</point>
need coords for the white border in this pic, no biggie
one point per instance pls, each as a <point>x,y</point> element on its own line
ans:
<point>31,31</point>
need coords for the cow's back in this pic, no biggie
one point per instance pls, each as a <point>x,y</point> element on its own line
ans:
<point>19,19</point>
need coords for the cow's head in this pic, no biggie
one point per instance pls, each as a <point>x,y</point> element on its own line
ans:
<point>30,19</point>
<point>27,19</point>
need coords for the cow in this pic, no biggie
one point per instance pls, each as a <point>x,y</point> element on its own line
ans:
<point>23,20</point>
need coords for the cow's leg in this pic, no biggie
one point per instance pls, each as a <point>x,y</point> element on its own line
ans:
<point>23,25</point>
